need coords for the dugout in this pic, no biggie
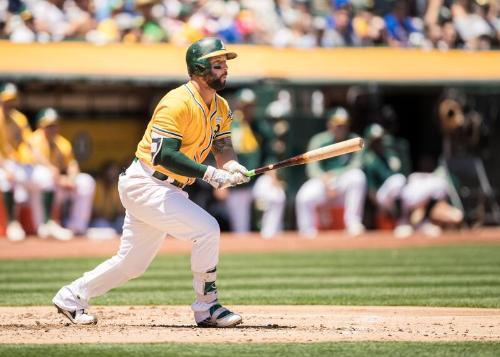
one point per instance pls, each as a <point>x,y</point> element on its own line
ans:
<point>106,93</point>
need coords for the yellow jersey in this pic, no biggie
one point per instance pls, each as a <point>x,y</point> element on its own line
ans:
<point>182,114</point>
<point>59,153</point>
<point>5,148</point>
<point>18,132</point>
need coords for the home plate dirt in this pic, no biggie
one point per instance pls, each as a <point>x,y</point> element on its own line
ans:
<point>129,324</point>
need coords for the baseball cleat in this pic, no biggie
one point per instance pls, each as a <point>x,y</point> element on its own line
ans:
<point>78,317</point>
<point>217,316</point>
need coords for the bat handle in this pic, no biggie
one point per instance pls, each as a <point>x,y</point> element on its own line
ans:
<point>250,173</point>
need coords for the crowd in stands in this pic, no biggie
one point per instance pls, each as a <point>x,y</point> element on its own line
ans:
<point>427,24</point>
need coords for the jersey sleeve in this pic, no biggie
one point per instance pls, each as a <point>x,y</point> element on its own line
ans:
<point>227,118</point>
<point>170,119</point>
<point>66,149</point>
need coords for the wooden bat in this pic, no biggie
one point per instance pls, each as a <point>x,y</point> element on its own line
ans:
<point>326,152</point>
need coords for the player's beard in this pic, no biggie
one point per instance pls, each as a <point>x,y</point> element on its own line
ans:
<point>216,83</point>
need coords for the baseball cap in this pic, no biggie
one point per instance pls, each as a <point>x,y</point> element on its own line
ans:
<point>374,132</point>
<point>246,95</point>
<point>338,116</point>
<point>47,117</point>
<point>8,91</point>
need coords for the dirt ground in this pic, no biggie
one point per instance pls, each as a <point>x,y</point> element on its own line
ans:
<point>120,324</point>
<point>127,324</point>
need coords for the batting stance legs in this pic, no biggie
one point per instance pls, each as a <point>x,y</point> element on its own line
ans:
<point>154,209</point>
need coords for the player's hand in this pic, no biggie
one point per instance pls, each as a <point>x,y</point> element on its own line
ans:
<point>222,178</point>
<point>235,167</point>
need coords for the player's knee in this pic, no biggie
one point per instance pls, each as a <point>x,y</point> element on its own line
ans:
<point>357,178</point>
<point>207,228</point>
<point>43,178</point>
<point>398,181</point>
<point>133,268</point>
<point>440,188</point>
<point>85,184</point>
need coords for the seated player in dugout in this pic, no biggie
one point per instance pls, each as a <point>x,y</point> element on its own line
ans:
<point>15,159</point>
<point>64,183</point>
<point>21,174</point>
<point>416,201</point>
<point>188,122</point>
<point>338,180</point>
<point>250,138</point>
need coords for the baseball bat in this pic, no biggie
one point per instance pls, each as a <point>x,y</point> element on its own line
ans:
<point>326,152</point>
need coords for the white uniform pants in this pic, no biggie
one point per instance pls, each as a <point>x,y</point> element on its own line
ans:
<point>28,182</point>
<point>81,199</point>
<point>154,209</point>
<point>239,207</point>
<point>421,188</point>
<point>271,198</point>
<point>390,190</point>
<point>350,188</point>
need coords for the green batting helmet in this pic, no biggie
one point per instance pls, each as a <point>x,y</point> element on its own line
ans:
<point>198,54</point>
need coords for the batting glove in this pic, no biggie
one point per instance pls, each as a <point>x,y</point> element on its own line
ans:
<point>235,167</point>
<point>221,178</point>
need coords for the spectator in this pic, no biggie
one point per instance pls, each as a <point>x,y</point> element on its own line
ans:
<point>470,21</point>
<point>338,180</point>
<point>340,32</point>
<point>280,23</point>
<point>400,26</point>
<point>66,180</point>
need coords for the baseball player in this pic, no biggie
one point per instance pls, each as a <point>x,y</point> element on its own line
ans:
<point>386,180</point>
<point>65,180</point>
<point>17,167</point>
<point>188,123</point>
<point>339,180</point>
<point>416,193</point>
<point>249,136</point>
<point>270,197</point>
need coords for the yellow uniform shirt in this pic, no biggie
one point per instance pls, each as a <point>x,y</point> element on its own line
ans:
<point>59,153</point>
<point>18,133</point>
<point>182,114</point>
<point>6,151</point>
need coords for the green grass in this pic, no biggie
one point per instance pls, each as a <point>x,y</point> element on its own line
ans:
<point>436,276</point>
<point>274,349</point>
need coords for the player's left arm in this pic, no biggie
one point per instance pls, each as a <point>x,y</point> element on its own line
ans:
<point>226,158</point>
<point>223,151</point>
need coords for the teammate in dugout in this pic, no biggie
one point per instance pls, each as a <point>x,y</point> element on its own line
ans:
<point>65,181</point>
<point>416,200</point>
<point>338,180</point>
<point>187,123</point>
<point>23,177</point>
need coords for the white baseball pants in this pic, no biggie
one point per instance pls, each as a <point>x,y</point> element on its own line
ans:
<point>272,199</point>
<point>421,188</point>
<point>390,190</point>
<point>239,209</point>
<point>350,188</point>
<point>154,209</point>
<point>81,198</point>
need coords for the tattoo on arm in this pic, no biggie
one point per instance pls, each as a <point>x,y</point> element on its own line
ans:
<point>222,145</point>
<point>223,151</point>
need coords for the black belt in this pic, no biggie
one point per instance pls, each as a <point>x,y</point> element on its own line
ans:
<point>162,177</point>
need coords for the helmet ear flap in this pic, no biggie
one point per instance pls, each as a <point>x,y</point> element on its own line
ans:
<point>200,69</point>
